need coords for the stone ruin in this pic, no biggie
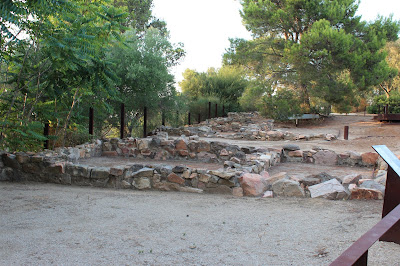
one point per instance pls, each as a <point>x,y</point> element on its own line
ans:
<point>243,171</point>
<point>247,126</point>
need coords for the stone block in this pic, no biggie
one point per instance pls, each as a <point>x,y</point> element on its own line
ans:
<point>366,194</point>
<point>325,157</point>
<point>100,173</point>
<point>369,158</point>
<point>174,178</point>
<point>288,188</point>
<point>253,184</point>
<point>331,189</point>
<point>141,183</point>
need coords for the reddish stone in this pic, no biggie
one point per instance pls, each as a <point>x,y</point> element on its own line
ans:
<point>237,192</point>
<point>366,193</point>
<point>297,153</point>
<point>181,145</point>
<point>109,153</point>
<point>174,178</point>
<point>183,152</point>
<point>116,171</point>
<point>370,158</point>
<point>253,184</point>
<point>57,168</point>
<point>203,146</point>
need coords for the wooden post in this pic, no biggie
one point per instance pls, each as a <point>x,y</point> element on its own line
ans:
<point>223,110</point>
<point>199,118</point>
<point>91,120</point>
<point>122,124</point>
<point>46,134</point>
<point>145,122</point>
<point>163,118</point>
<point>346,132</point>
<point>216,110</point>
<point>189,122</point>
<point>209,110</point>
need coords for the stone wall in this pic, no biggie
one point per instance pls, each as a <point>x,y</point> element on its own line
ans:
<point>243,170</point>
<point>248,126</point>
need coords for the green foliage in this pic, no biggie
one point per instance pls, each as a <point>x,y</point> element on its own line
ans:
<point>281,106</point>
<point>142,66</point>
<point>63,66</point>
<point>321,49</point>
<point>22,137</point>
<point>381,100</point>
<point>226,84</point>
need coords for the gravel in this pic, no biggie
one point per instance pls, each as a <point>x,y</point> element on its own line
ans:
<point>43,224</point>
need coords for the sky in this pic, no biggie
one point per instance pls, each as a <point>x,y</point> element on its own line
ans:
<point>205,26</point>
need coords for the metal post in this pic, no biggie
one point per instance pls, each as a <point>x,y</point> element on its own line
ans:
<point>145,122</point>
<point>122,124</point>
<point>346,132</point>
<point>216,110</point>
<point>91,120</point>
<point>189,122</point>
<point>386,109</point>
<point>46,134</point>
<point>209,110</point>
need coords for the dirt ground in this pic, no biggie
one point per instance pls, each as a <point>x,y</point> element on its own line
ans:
<point>364,132</point>
<point>44,224</point>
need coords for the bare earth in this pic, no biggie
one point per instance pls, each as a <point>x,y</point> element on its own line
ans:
<point>45,224</point>
<point>363,133</point>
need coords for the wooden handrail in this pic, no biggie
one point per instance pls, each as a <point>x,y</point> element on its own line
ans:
<point>357,253</point>
<point>388,229</point>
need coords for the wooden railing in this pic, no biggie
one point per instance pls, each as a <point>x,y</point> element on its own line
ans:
<point>388,229</point>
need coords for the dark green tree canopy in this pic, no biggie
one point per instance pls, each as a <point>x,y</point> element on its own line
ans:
<point>318,47</point>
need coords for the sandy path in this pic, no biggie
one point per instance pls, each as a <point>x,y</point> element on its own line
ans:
<point>43,224</point>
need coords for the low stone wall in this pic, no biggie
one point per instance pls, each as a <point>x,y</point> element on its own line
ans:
<point>242,169</point>
<point>292,153</point>
<point>248,126</point>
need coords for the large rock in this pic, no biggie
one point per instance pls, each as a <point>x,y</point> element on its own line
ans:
<point>366,193</point>
<point>372,184</point>
<point>174,178</point>
<point>325,157</point>
<point>331,189</point>
<point>272,179</point>
<point>253,184</point>
<point>142,183</point>
<point>291,147</point>
<point>369,158</point>
<point>381,177</point>
<point>100,173</point>
<point>222,174</point>
<point>288,188</point>
<point>351,179</point>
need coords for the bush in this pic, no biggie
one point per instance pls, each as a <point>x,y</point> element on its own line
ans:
<point>393,101</point>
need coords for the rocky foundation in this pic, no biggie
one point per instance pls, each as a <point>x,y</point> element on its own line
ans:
<point>244,171</point>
